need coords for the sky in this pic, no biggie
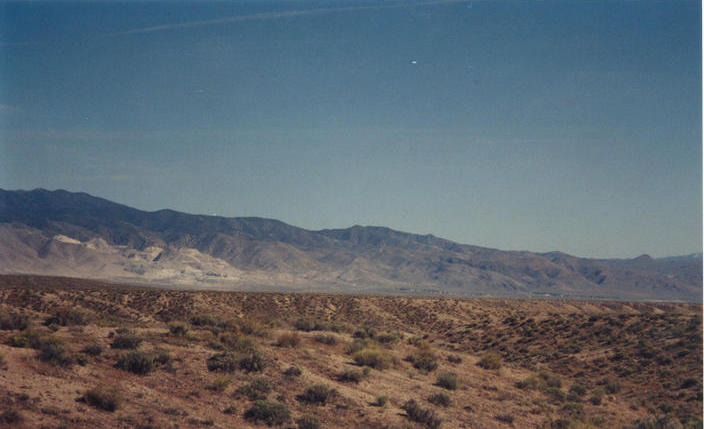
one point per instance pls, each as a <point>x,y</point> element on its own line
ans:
<point>519,125</point>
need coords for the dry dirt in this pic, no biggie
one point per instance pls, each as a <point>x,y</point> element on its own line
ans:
<point>562,363</point>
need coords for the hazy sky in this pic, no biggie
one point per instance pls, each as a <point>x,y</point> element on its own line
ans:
<point>536,125</point>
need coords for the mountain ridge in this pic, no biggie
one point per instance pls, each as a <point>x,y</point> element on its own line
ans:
<point>111,241</point>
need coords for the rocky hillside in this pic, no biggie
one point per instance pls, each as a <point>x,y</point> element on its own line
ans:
<point>76,234</point>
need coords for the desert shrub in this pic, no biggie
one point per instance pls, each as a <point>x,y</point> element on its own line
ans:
<point>529,383</point>
<point>357,345</point>
<point>252,361</point>
<point>596,396</point>
<point>81,359</point>
<point>288,340</point>
<point>250,326</point>
<point>688,382</point>
<point>423,359</point>
<point>93,350</point>
<point>308,422</point>
<point>577,390</point>
<point>2,360</point>
<point>226,362</point>
<point>204,320</point>
<point>364,333</point>
<point>126,341</point>
<point>421,415</point>
<point>555,394</point>
<point>454,359</point>
<point>381,400</point>
<point>136,361</point>
<point>318,394</point>
<point>219,384</point>
<point>161,356</point>
<point>303,324</point>
<point>103,398</point>
<point>551,380</point>
<point>269,412</point>
<point>387,338</point>
<point>16,321</point>
<point>665,422</point>
<point>490,361</point>
<point>28,338</point>
<point>66,316</point>
<point>255,389</point>
<point>353,375</point>
<point>54,351</point>
<point>230,410</point>
<point>448,380</point>
<point>180,329</point>
<point>328,339</point>
<point>229,362</point>
<point>10,417</point>
<point>237,342</point>
<point>441,398</point>
<point>373,358</point>
<point>612,386</point>
<point>505,417</point>
<point>292,372</point>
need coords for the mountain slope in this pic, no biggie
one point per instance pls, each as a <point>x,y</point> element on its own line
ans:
<point>75,234</point>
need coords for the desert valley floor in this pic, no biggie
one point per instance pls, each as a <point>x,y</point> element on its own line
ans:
<point>79,354</point>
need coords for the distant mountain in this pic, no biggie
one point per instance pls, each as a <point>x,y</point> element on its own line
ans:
<point>76,234</point>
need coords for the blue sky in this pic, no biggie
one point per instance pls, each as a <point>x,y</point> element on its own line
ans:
<point>536,125</point>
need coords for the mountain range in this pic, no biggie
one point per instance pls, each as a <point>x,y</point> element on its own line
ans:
<point>78,235</point>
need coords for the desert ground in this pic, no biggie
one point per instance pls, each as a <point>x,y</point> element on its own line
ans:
<point>78,354</point>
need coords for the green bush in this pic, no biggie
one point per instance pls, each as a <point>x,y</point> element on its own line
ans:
<point>252,361</point>
<point>356,346</point>
<point>269,412</point>
<point>179,329</point>
<point>204,320</point>
<point>328,339</point>
<point>305,325</point>
<point>448,380</point>
<point>381,401</point>
<point>93,350</point>
<point>421,415</point>
<point>551,380</point>
<point>373,358</point>
<point>238,342</point>
<point>293,372</point>
<point>229,361</point>
<point>318,394</point>
<point>490,361</point>
<point>219,384</point>
<point>28,338</point>
<point>364,333</point>
<point>387,338</point>
<point>137,361</point>
<point>255,389</point>
<point>353,375</point>
<point>66,316</point>
<point>102,398</point>
<point>126,341</point>
<point>288,340</point>
<point>423,359</point>
<point>254,327</point>
<point>529,383</point>
<point>13,321</point>
<point>54,351</point>
<point>308,422</point>
<point>441,398</point>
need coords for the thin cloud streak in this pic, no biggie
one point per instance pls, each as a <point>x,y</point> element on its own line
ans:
<point>278,15</point>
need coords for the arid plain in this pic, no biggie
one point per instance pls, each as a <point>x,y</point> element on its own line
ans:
<point>80,353</point>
